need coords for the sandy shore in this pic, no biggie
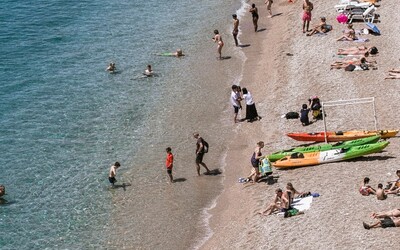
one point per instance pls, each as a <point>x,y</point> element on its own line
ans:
<point>281,83</point>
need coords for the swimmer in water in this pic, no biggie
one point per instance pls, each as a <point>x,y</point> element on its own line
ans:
<point>111,67</point>
<point>148,71</point>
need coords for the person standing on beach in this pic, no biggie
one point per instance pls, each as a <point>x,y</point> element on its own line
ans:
<point>255,160</point>
<point>251,111</point>
<point>254,14</point>
<point>235,30</point>
<point>307,8</point>
<point>200,151</point>
<point>235,101</point>
<point>113,173</point>
<point>169,162</point>
<point>269,5</point>
<point>218,39</point>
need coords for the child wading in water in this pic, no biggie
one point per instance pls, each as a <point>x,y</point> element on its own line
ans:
<point>169,163</point>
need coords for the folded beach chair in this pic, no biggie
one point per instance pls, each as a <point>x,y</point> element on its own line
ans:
<point>367,15</point>
<point>350,6</point>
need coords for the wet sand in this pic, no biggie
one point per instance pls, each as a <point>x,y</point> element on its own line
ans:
<point>281,83</point>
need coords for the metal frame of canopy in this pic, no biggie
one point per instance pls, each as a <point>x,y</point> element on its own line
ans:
<point>347,102</point>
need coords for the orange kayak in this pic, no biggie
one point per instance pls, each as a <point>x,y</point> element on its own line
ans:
<point>341,135</point>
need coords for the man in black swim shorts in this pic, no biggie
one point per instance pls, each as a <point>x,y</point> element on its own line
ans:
<point>113,173</point>
<point>200,153</point>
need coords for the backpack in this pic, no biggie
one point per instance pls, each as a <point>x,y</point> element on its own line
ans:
<point>292,115</point>
<point>205,146</point>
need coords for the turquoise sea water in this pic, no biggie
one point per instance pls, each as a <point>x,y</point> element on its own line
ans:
<point>64,120</point>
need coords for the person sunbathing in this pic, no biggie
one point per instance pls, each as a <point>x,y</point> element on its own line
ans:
<point>355,61</point>
<point>393,74</point>
<point>349,34</point>
<point>390,219</point>
<point>359,50</point>
<point>322,27</point>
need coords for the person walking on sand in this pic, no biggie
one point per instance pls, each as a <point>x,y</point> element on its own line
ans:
<point>235,30</point>
<point>218,39</point>
<point>307,8</point>
<point>169,162</point>
<point>254,15</point>
<point>235,101</point>
<point>269,5</point>
<point>113,173</point>
<point>200,151</point>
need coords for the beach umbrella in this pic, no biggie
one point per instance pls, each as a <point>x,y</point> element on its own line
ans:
<point>373,27</point>
<point>342,18</point>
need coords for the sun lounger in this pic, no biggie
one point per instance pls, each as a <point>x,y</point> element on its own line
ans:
<point>367,15</point>
<point>350,6</point>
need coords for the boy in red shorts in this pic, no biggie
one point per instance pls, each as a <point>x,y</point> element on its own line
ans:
<point>169,163</point>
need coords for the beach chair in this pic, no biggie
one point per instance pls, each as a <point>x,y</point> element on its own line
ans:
<point>341,8</point>
<point>367,15</point>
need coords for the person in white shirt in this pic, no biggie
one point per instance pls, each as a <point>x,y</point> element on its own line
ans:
<point>251,111</point>
<point>235,101</point>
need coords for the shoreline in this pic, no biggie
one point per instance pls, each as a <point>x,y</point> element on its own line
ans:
<point>280,84</point>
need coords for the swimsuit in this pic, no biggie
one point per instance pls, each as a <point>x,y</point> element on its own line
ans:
<point>255,162</point>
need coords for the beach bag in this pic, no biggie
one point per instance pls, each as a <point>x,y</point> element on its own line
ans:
<point>292,115</point>
<point>205,146</point>
<point>350,67</point>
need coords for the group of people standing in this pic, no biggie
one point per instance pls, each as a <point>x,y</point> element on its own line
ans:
<point>237,95</point>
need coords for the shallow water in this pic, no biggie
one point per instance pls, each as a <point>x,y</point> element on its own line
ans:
<point>64,121</point>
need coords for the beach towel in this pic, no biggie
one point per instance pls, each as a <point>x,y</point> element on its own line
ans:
<point>361,40</point>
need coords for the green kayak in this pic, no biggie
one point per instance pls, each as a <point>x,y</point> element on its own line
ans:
<point>323,147</point>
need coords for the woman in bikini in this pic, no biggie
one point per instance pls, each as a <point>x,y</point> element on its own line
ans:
<point>254,14</point>
<point>359,50</point>
<point>349,34</point>
<point>307,8</point>
<point>218,39</point>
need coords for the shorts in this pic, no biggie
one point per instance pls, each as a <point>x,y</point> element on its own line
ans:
<point>169,170</point>
<point>236,109</point>
<point>255,164</point>
<point>306,16</point>
<point>235,32</point>
<point>199,158</point>
<point>387,222</point>
<point>112,180</point>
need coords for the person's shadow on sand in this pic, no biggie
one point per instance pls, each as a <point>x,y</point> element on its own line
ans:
<point>123,186</point>
<point>261,30</point>
<point>180,180</point>
<point>244,45</point>
<point>216,171</point>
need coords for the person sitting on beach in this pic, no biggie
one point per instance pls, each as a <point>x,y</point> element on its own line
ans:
<point>358,50</point>
<point>384,223</point>
<point>304,115</point>
<point>380,193</point>
<point>2,190</point>
<point>148,71</point>
<point>365,188</point>
<point>394,185</point>
<point>315,105</point>
<point>349,34</point>
<point>111,67</point>
<point>322,27</point>
<point>280,203</point>
<point>393,74</point>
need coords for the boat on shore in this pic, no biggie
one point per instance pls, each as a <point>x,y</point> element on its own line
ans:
<point>341,135</point>
<point>314,158</point>
<point>323,147</point>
